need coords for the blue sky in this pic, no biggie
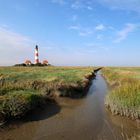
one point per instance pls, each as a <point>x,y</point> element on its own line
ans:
<point>71,32</point>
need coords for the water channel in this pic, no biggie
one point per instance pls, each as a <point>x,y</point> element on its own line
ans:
<point>75,119</point>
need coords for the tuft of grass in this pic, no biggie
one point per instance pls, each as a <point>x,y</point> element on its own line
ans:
<point>18,103</point>
<point>124,97</point>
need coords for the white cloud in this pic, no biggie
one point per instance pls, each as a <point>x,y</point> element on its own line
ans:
<point>132,5</point>
<point>14,47</point>
<point>99,36</point>
<point>122,34</point>
<point>96,47</point>
<point>76,5</point>
<point>89,8</point>
<point>61,2</point>
<point>129,5</point>
<point>79,4</point>
<point>82,31</point>
<point>100,27</point>
<point>11,38</point>
<point>86,31</point>
<point>75,27</point>
<point>74,17</point>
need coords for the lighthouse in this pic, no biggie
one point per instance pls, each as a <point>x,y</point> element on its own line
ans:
<point>36,55</point>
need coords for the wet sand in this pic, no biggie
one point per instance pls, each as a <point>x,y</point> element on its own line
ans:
<point>75,119</point>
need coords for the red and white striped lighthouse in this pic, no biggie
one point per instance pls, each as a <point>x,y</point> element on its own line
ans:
<point>36,55</point>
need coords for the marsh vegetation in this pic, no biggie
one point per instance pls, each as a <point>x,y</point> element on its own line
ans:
<point>124,96</point>
<point>24,88</point>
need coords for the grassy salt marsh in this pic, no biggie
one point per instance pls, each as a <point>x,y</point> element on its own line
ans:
<point>24,88</point>
<point>124,96</point>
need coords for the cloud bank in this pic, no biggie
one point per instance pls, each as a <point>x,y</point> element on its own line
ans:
<point>122,34</point>
<point>14,47</point>
<point>129,5</point>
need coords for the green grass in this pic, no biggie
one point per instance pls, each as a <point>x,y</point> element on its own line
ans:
<point>124,97</point>
<point>22,87</point>
<point>18,103</point>
<point>67,74</point>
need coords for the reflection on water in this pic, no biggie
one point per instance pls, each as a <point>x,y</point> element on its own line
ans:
<point>81,119</point>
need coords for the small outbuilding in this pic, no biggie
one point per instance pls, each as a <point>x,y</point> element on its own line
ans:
<point>28,62</point>
<point>45,62</point>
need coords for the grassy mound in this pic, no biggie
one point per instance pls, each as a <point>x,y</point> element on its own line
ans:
<point>16,104</point>
<point>24,88</point>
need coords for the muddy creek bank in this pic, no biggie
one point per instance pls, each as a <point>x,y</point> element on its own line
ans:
<point>78,119</point>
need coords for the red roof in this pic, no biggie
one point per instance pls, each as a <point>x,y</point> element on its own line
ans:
<point>27,62</point>
<point>45,62</point>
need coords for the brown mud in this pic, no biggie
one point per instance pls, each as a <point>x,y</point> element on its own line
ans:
<point>74,119</point>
